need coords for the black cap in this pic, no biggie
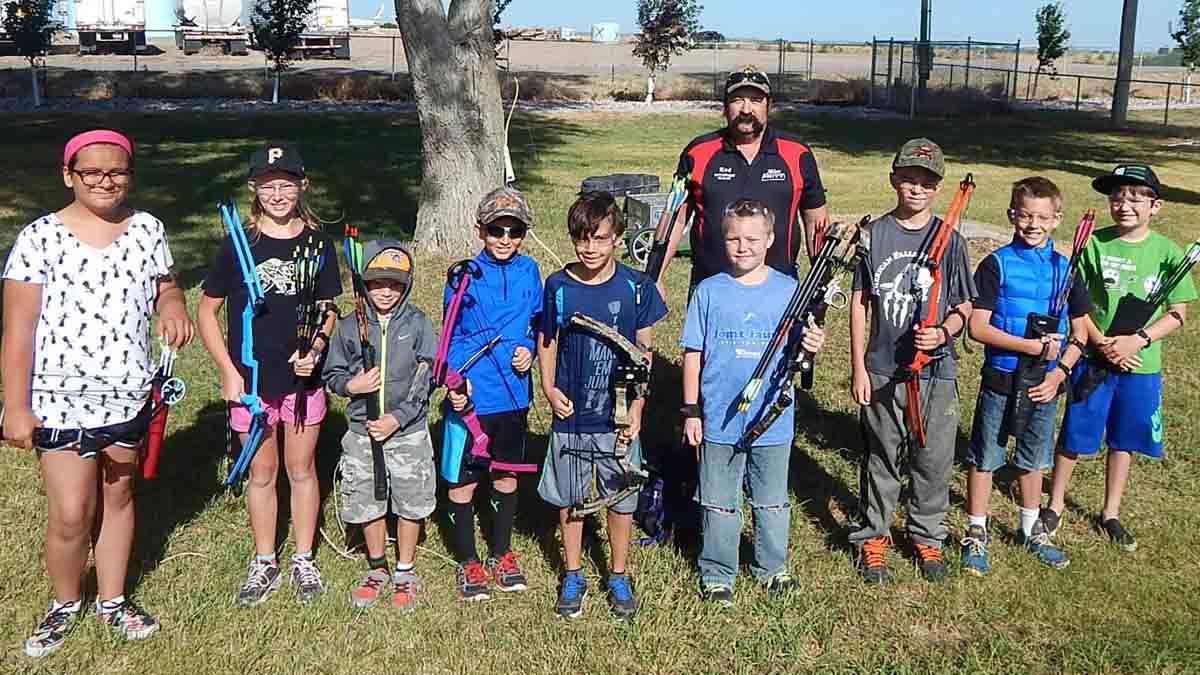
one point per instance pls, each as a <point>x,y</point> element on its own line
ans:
<point>283,157</point>
<point>1127,174</point>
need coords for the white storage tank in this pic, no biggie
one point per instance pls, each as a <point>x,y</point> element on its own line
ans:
<point>330,16</point>
<point>209,14</point>
<point>160,18</point>
<point>116,24</point>
<point>606,32</point>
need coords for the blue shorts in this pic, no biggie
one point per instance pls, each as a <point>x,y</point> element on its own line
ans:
<point>1125,407</point>
<point>989,434</point>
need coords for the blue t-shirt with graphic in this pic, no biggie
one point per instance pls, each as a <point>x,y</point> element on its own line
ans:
<point>730,324</point>
<point>628,301</point>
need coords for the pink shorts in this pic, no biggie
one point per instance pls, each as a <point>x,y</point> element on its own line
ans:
<point>283,408</point>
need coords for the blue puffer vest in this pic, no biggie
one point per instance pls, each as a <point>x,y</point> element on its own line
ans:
<point>1029,279</point>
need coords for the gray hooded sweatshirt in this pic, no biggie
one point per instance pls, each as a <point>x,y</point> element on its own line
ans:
<point>404,350</point>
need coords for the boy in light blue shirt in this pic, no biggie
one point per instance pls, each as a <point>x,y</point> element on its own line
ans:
<point>730,320</point>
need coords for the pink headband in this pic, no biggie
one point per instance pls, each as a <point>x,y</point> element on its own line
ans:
<point>81,141</point>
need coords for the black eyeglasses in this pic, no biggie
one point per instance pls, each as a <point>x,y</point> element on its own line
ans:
<point>513,231</point>
<point>94,177</point>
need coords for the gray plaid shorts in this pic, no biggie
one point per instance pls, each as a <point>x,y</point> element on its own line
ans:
<point>412,482</point>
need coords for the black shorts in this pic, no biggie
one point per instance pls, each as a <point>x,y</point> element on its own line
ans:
<point>88,442</point>
<point>506,434</point>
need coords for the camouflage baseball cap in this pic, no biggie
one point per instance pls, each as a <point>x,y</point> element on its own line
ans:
<point>504,201</point>
<point>390,263</point>
<point>748,76</point>
<point>921,152</point>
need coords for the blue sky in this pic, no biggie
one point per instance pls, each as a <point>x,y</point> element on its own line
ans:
<point>1093,23</point>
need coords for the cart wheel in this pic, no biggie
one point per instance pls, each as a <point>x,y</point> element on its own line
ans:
<point>640,245</point>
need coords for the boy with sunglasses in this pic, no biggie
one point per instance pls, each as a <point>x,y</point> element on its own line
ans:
<point>1126,259</point>
<point>501,303</point>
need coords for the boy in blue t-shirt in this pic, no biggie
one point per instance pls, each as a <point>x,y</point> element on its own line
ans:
<point>594,360</point>
<point>730,320</point>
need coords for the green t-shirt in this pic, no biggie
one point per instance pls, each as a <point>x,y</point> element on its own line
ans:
<point>1114,267</point>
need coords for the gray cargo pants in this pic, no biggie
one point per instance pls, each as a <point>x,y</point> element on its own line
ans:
<point>929,468</point>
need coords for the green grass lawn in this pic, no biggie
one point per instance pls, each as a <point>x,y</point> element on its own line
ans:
<point>1107,613</point>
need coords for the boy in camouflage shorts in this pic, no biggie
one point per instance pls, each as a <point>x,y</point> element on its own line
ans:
<point>404,344</point>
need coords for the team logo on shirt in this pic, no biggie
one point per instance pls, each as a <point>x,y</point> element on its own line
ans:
<point>773,175</point>
<point>725,173</point>
<point>906,288</point>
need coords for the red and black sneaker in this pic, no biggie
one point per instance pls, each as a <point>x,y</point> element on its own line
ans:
<point>472,581</point>
<point>507,573</point>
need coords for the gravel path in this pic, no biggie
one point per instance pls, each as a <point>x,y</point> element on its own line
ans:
<point>142,105</point>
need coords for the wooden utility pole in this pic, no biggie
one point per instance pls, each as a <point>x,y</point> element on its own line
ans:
<point>1120,104</point>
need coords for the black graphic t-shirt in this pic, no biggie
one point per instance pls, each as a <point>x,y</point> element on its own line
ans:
<point>899,291</point>
<point>275,324</point>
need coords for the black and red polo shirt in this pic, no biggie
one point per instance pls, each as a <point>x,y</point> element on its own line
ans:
<point>783,175</point>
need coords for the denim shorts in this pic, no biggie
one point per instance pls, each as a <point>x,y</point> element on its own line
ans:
<point>989,434</point>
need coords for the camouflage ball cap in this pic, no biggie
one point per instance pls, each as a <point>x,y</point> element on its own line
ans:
<point>390,263</point>
<point>921,152</point>
<point>502,202</point>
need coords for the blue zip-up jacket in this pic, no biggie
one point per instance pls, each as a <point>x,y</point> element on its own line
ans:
<point>1029,279</point>
<point>505,299</point>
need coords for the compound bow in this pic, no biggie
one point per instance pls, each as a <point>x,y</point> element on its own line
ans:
<point>818,292</point>
<point>630,381</point>
<point>254,302</point>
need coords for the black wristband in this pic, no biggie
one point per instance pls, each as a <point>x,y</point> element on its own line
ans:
<point>1175,315</point>
<point>690,410</point>
<point>1063,367</point>
<point>1145,336</point>
<point>947,336</point>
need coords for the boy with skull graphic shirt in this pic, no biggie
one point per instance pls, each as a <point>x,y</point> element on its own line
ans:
<point>892,284</point>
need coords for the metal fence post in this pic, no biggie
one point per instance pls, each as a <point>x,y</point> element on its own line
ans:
<point>781,87</point>
<point>1167,108</point>
<point>1016,69</point>
<point>891,45</point>
<point>716,69</point>
<point>1029,85</point>
<point>900,75</point>
<point>967,75</point>
<point>394,58</point>
<point>810,61</point>
<point>1078,90</point>
<point>871,89</point>
<point>951,85</point>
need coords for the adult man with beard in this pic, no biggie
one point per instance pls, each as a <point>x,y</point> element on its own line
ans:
<point>752,160</point>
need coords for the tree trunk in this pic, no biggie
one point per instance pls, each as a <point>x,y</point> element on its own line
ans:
<point>650,88</point>
<point>37,94</point>
<point>275,89</point>
<point>453,66</point>
<point>1036,75</point>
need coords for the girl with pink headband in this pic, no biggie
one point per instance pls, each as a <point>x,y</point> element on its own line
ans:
<point>82,284</point>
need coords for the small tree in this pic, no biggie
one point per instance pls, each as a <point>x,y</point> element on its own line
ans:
<point>1188,37</point>
<point>667,28</point>
<point>30,25</point>
<point>1052,38</point>
<point>497,34</point>
<point>276,26</point>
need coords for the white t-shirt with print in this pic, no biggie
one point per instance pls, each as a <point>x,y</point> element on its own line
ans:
<point>92,359</point>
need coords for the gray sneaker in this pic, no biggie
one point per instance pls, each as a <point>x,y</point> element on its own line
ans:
<point>717,594</point>
<point>262,580</point>
<point>366,594</point>
<point>306,579</point>
<point>50,634</point>
<point>780,585</point>
<point>131,621</point>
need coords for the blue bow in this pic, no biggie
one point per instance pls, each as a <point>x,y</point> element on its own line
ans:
<point>254,302</point>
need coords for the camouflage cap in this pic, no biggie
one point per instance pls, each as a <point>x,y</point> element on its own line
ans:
<point>1127,174</point>
<point>748,76</point>
<point>504,201</point>
<point>921,152</point>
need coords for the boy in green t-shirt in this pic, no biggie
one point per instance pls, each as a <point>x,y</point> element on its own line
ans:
<point>1127,258</point>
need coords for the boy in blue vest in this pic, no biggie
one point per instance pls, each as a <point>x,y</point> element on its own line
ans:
<point>1016,280</point>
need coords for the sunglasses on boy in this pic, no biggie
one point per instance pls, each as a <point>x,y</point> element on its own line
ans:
<point>513,231</point>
